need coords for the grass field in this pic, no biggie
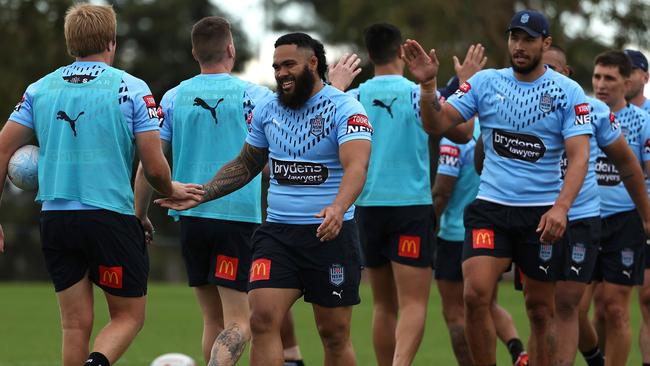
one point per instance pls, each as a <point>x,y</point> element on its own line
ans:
<point>30,336</point>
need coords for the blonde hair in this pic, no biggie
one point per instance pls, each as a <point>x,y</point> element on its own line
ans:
<point>89,28</point>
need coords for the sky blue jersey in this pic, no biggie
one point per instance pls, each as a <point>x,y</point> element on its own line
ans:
<point>523,126</point>
<point>304,151</point>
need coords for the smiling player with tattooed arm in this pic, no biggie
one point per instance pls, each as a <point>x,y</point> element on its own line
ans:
<point>317,142</point>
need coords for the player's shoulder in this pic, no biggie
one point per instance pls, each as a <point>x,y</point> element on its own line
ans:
<point>266,102</point>
<point>338,97</point>
<point>133,83</point>
<point>170,94</point>
<point>562,81</point>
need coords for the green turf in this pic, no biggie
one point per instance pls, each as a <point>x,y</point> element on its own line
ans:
<point>30,336</point>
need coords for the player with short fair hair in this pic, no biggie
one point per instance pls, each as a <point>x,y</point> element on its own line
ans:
<point>528,115</point>
<point>89,119</point>
<point>317,142</point>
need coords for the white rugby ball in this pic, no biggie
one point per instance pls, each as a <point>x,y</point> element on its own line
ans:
<point>22,169</point>
<point>173,359</point>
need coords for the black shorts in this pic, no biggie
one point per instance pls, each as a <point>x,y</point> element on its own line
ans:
<point>291,256</point>
<point>449,260</point>
<point>217,252</point>
<point>580,249</point>
<point>622,250</point>
<point>503,231</point>
<point>109,246</point>
<point>402,234</point>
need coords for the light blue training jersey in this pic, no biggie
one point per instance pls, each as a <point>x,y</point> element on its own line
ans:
<point>398,173</point>
<point>304,151</point>
<point>523,126</point>
<point>206,118</point>
<point>457,160</point>
<point>613,195</point>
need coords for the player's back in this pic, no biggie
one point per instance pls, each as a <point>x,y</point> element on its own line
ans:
<point>398,172</point>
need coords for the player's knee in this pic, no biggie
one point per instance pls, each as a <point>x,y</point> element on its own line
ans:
<point>82,321</point>
<point>475,298</point>
<point>262,322</point>
<point>644,296</point>
<point>335,335</point>
<point>566,306</point>
<point>540,313</point>
<point>241,327</point>
<point>616,314</point>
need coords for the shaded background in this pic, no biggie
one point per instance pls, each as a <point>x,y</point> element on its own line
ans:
<point>154,45</point>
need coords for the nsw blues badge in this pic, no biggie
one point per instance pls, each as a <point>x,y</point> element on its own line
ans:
<point>337,274</point>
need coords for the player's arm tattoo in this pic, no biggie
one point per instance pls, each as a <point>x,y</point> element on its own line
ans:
<point>236,173</point>
<point>436,104</point>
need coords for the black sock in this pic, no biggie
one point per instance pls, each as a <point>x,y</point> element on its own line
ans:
<point>594,357</point>
<point>97,359</point>
<point>515,347</point>
<point>294,363</point>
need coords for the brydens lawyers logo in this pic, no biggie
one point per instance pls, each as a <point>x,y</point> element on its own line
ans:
<point>482,238</point>
<point>260,270</point>
<point>408,246</point>
<point>110,276</point>
<point>226,267</point>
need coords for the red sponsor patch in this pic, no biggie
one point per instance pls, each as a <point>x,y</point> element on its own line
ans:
<point>110,276</point>
<point>359,123</point>
<point>465,87</point>
<point>647,145</point>
<point>582,109</point>
<point>482,238</point>
<point>19,104</point>
<point>449,150</point>
<point>149,100</point>
<point>408,246</point>
<point>226,267</point>
<point>260,269</point>
<point>612,118</point>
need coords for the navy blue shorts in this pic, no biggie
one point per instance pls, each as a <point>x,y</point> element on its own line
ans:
<point>496,230</point>
<point>109,246</point>
<point>401,234</point>
<point>217,252</point>
<point>291,256</point>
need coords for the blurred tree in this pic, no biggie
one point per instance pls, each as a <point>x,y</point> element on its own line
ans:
<point>450,26</point>
<point>154,40</point>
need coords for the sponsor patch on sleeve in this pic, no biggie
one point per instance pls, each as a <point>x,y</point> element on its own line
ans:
<point>613,122</point>
<point>19,104</point>
<point>448,155</point>
<point>161,115</point>
<point>582,114</point>
<point>152,108</point>
<point>646,147</point>
<point>249,121</point>
<point>359,123</point>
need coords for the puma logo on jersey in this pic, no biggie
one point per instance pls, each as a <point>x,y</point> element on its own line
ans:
<point>64,116</point>
<point>213,110</point>
<point>339,294</point>
<point>576,270</point>
<point>380,104</point>
<point>545,269</point>
<point>628,274</point>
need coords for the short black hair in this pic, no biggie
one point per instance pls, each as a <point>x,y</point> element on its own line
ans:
<point>303,40</point>
<point>383,41</point>
<point>616,58</point>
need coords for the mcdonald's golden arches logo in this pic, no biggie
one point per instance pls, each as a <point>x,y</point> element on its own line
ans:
<point>260,269</point>
<point>226,267</point>
<point>482,238</point>
<point>110,276</point>
<point>408,246</point>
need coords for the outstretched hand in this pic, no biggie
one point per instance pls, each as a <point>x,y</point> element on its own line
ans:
<point>423,66</point>
<point>475,60</point>
<point>183,197</point>
<point>342,74</point>
<point>332,222</point>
